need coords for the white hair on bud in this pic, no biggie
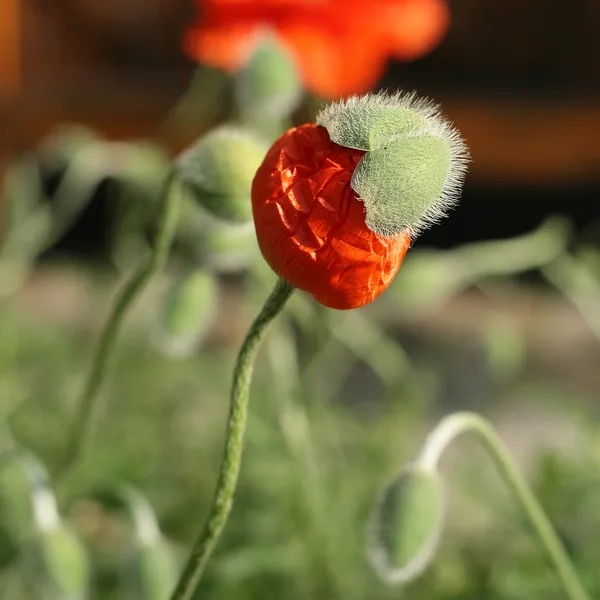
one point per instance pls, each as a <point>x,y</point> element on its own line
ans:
<point>375,121</point>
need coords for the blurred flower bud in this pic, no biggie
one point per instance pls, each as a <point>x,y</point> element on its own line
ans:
<point>415,159</point>
<point>64,142</point>
<point>268,87</point>
<point>189,308</point>
<point>406,525</point>
<point>21,193</point>
<point>57,564</point>
<point>25,495</point>
<point>219,169</point>
<point>53,560</point>
<point>153,571</point>
<point>230,247</point>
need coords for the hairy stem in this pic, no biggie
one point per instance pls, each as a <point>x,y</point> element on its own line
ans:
<point>86,404</point>
<point>453,426</point>
<point>236,426</point>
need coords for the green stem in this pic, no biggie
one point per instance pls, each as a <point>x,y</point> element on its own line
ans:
<point>167,220</point>
<point>579,284</point>
<point>453,426</point>
<point>236,426</point>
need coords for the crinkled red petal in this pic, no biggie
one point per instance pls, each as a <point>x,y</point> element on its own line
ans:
<point>310,223</point>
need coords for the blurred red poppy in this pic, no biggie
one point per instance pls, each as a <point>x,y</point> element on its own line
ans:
<point>341,46</point>
<point>311,226</point>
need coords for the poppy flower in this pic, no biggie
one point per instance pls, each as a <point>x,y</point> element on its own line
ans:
<point>337,203</point>
<point>341,47</point>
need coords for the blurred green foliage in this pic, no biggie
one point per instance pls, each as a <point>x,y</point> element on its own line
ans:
<point>311,473</point>
<point>338,406</point>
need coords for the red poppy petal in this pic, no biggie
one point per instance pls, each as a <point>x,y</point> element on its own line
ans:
<point>414,27</point>
<point>310,224</point>
<point>334,64</point>
<point>226,47</point>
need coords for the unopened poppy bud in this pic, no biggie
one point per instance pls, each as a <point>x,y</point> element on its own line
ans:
<point>153,571</point>
<point>189,308</point>
<point>56,562</point>
<point>219,168</point>
<point>337,205</point>
<point>150,569</point>
<point>268,87</point>
<point>229,247</point>
<point>64,142</point>
<point>406,525</point>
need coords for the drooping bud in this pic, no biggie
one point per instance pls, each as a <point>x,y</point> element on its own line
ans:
<point>414,162</point>
<point>230,247</point>
<point>151,570</point>
<point>219,169</point>
<point>56,563</point>
<point>52,556</point>
<point>188,311</point>
<point>406,525</point>
<point>64,142</point>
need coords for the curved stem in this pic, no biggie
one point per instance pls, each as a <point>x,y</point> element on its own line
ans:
<point>236,426</point>
<point>453,426</point>
<point>580,286</point>
<point>166,224</point>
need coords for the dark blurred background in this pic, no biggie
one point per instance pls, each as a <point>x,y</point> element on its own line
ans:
<point>519,78</point>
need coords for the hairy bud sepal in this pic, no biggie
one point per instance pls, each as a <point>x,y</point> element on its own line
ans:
<point>414,162</point>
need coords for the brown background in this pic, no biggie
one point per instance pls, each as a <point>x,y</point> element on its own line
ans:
<point>519,77</point>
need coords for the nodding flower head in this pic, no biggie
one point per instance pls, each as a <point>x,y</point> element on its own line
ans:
<point>337,203</point>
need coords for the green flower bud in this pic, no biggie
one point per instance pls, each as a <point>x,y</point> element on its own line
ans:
<point>406,525</point>
<point>269,86</point>
<point>153,571</point>
<point>414,162</point>
<point>150,572</point>
<point>230,247</point>
<point>26,501</point>
<point>64,142</point>
<point>189,308</point>
<point>57,563</point>
<point>219,169</point>
<point>21,194</point>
